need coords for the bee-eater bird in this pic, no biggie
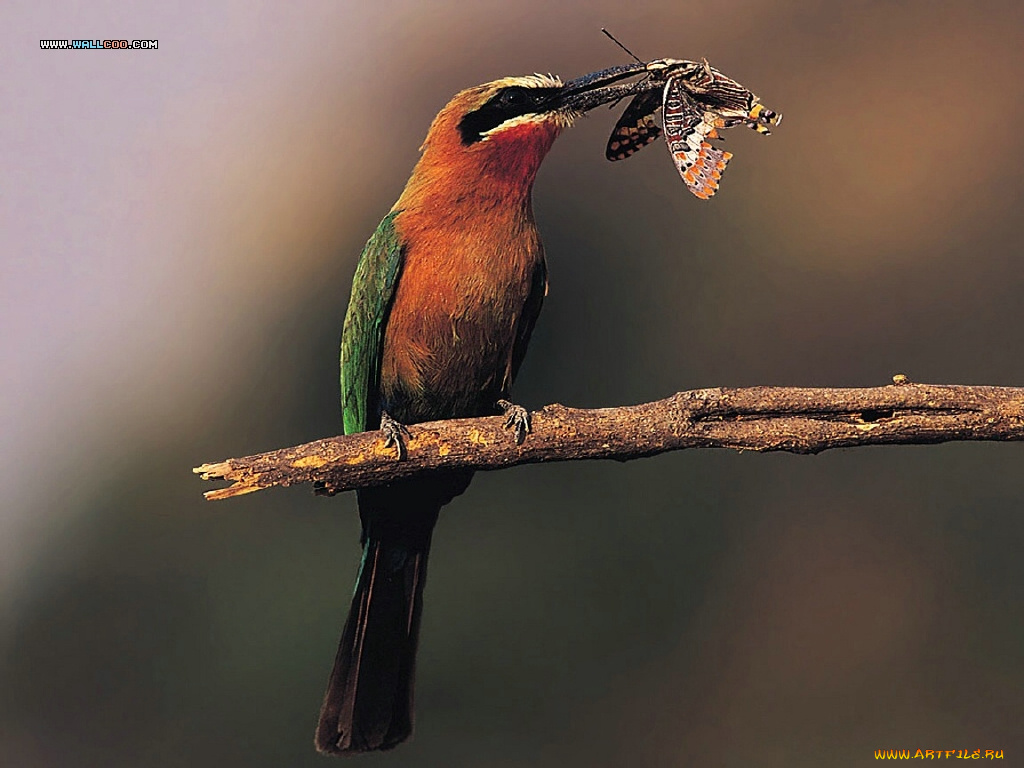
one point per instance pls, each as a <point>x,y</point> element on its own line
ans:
<point>443,302</point>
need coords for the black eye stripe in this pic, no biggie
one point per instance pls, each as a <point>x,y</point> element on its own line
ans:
<point>510,102</point>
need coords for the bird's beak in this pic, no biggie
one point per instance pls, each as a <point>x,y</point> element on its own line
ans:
<point>584,93</point>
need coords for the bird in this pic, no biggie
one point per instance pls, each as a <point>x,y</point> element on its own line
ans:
<point>444,300</point>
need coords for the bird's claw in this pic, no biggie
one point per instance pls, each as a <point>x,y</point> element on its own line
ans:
<point>516,418</point>
<point>393,431</point>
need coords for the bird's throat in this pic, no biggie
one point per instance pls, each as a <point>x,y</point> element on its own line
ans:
<point>496,173</point>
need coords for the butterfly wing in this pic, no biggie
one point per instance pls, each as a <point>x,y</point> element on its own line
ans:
<point>636,128</point>
<point>686,128</point>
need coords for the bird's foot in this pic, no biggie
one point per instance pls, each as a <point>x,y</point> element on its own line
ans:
<point>516,418</point>
<point>393,431</point>
<point>323,488</point>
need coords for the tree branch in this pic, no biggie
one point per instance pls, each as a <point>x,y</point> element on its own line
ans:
<point>797,420</point>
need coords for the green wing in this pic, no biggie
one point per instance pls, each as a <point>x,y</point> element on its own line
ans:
<point>362,340</point>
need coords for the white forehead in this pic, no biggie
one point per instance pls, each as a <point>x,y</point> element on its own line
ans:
<point>529,81</point>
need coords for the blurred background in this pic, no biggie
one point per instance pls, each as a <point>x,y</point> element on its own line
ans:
<point>180,228</point>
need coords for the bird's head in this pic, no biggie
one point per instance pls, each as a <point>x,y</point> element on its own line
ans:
<point>501,131</point>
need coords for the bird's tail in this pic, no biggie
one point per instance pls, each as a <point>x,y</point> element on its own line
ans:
<point>369,700</point>
<point>368,704</point>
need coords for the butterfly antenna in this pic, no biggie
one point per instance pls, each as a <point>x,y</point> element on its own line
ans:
<point>612,38</point>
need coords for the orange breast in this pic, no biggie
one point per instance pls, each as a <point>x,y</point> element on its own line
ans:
<point>459,304</point>
<point>458,307</point>
<point>472,258</point>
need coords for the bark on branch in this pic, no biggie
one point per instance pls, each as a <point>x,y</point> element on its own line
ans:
<point>797,420</point>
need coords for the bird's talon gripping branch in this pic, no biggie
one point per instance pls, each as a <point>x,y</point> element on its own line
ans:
<point>393,431</point>
<point>323,488</point>
<point>517,418</point>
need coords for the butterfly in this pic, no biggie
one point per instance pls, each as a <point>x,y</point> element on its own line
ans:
<point>697,100</point>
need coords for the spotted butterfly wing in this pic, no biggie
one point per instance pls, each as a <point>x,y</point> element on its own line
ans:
<point>636,128</point>
<point>686,128</point>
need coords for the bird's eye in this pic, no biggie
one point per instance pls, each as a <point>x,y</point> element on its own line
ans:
<point>514,96</point>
